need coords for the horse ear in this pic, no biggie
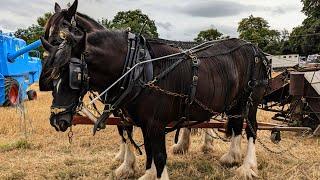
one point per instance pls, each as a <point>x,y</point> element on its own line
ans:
<point>57,7</point>
<point>46,45</point>
<point>73,9</point>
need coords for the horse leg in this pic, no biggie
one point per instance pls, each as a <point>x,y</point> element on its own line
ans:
<point>249,168</point>
<point>151,171</point>
<point>183,143</point>
<point>120,155</point>
<point>234,129</point>
<point>207,140</point>
<point>128,167</point>
<point>156,142</point>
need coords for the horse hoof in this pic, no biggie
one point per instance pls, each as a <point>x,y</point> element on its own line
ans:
<point>231,158</point>
<point>179,149</point>
<point>148,176</point>
<point>247,172</point>
<point>205,148</point>
<point>124,172</point>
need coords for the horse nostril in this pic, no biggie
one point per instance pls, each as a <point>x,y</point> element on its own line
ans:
<point>64,125</point>
<point>53,123</point>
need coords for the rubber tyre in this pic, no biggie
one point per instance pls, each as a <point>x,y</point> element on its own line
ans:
<point>32,95</point>
<point>11,92</point>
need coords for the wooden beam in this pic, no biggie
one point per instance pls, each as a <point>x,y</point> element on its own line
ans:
<point>80,120</point>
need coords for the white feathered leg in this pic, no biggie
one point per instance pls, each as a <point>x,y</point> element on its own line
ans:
<point>207,140</point>
<point>127,168</point>
<point>234,154</point>
<point>120,155</point>
<point>183,143</point>
<point>249,168</point>
<point>151,174</point>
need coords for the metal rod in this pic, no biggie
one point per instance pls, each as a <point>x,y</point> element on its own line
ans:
<point>13,55</point>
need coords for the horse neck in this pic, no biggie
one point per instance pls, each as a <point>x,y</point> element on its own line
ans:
<point>107,51</point>
<point>87,23</point>
<point>160,49</point>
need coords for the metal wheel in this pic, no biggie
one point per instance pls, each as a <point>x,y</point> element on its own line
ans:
<point>11,92</point>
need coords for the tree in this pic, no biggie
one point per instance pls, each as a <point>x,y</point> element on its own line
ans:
<point>311,8</point>
<point>208,35</point>
<point>42,21</point>
<point>106,23</point>
<point>137,21</point>
<point>33,32</point>
<point>257,30</point>
<point>305,39</point>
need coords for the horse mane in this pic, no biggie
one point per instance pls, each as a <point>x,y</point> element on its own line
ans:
<point>89,19</point>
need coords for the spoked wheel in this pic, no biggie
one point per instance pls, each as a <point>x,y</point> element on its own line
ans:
<point>12,92</point>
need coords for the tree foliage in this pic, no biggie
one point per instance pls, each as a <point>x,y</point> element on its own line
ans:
<point>257,30</point>
<point>311,8</point>
<point>208,35</point>
<point>135,20</point>
<point>305,39</point>
<point>33,32</point>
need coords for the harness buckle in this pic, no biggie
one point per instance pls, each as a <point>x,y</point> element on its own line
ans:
<point>108,108</point>
<point>195,79</point>
<point>256,60</point>
<point>251,84</point>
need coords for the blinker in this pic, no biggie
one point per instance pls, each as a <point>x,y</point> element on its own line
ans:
<point>78,74</point>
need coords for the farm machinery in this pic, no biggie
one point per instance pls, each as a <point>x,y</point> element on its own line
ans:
<point>18,70</point>
<point>294,94</point>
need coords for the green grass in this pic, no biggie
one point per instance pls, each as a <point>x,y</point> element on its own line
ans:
<point>18,145</point>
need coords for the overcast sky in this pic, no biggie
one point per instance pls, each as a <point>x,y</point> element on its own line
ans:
<point>175,19</point>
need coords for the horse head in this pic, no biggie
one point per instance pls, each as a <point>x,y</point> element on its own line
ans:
<point>63,20</point>
<point>65,74</point>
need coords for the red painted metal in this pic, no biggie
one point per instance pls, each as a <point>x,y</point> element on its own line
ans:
<point>13,94</point>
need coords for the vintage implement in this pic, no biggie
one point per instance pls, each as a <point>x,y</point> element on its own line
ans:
<point>18,70</point>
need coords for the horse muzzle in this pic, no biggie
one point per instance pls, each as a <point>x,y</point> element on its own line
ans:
<point>61,122</point>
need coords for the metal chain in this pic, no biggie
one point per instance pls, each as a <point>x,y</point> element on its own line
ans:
<point>205,107</point>
<point>217,136</point>
<point>259,140</point>
<point>157,88</point>
<point>70,135</point>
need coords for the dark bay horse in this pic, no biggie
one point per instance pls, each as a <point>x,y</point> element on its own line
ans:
<point>230,79</point>
<point>61,21</point>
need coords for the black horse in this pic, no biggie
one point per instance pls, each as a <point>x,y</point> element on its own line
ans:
<point>228,76</point>
<point>61,21</point>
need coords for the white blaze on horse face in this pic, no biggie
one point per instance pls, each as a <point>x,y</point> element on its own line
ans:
<point>58,85</point>
<point>249,168</point>
<point>234,154</point>
<point>51,30</point>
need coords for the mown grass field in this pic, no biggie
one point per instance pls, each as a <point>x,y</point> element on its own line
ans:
<point>47,154</point>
